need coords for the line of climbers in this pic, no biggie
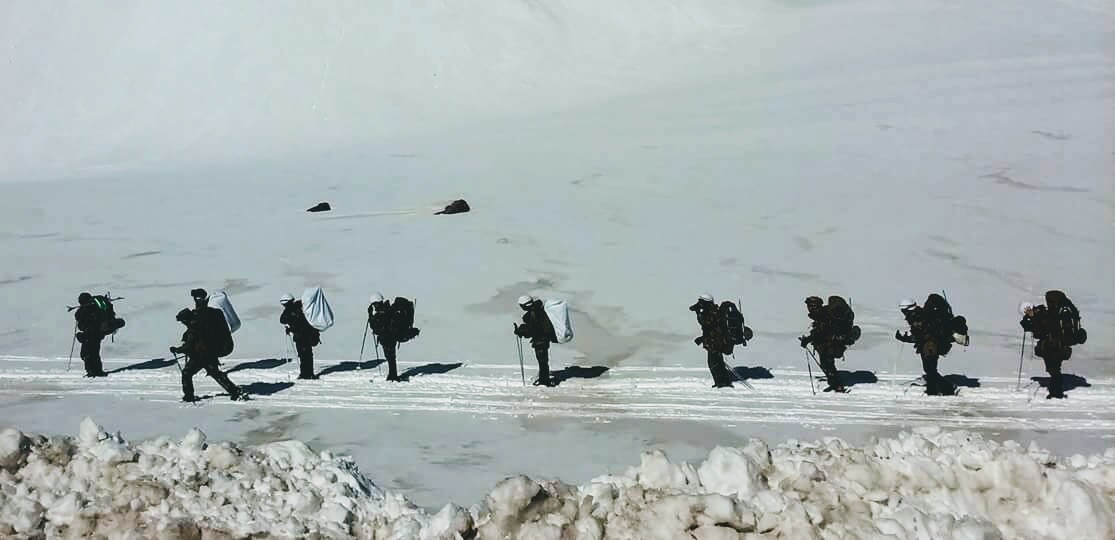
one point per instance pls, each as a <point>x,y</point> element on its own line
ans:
<point>933,329</point>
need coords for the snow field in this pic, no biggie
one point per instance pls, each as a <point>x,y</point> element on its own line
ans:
<point>923,484</point>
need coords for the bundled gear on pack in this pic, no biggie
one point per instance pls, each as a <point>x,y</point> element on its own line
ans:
<point>715,338</point>
<point>1056,329</point>
<point>933,330</point>
<point>391,323</point>
<point>305,335</point>
<point>561,321</point>
<point>536,327</point>
<point>198,358</point>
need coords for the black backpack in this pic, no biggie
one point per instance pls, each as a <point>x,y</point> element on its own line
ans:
<point>107,320</point>
<point>1067,320</point>
<point>843,320</point>
<point>402,320</point>
<point>215,332</point>
<point>738,332</point>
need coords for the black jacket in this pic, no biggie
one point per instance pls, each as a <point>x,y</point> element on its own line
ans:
<point>382,322</point>
<point>88,319</point>
<point>536,327</point>
<point>714,328</point>
<point>297,325</point>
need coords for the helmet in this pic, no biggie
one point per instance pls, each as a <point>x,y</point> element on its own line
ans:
<point>1024,307</point>
<point>84,298</point>
<point>706,297</point>
<point>525,300</point>
<point>814,301</point>
<point>377,298</point>
<point>906,303</point>
<point>286,298</point>
<point>199,294</point>
<point>184,316</point>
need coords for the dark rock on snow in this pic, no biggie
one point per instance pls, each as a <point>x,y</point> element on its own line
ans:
<point>458,206</point>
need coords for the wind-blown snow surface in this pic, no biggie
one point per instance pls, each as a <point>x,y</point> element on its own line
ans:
<point>922,484</point>
<point>626,155</point>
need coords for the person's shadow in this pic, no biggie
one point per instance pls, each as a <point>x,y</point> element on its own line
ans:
<point>267,363</point>
<point>154,363</point>
<point>266,388</point>
<point>1070,381</point>
<point>576,372</point>
<point>349,365</point>
<point>744,373</point>
<point>962,381</point>
<point>428,369</point>
<point>852,378</point>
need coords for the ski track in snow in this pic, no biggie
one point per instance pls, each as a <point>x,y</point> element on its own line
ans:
<point>624,393</point>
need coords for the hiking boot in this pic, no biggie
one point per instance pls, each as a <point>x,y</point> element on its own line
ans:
<point>544,382</point>
<point>838,389</point>
<point>310,377</point>
<point>1056,396</point>
<point>97,374</point>
<point>190,399</point>
<point>238,395</point>
<point>722,385</point>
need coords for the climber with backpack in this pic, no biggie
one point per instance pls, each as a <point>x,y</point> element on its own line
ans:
<point>305,337</point>
<point>831,332</point>
<point>95,319</point>
<point>391,323</point>
<point>715,338</point>
<point>207,338</point>
<point>933,330</point>
<point>1056,329</point>
<point>539,330</point>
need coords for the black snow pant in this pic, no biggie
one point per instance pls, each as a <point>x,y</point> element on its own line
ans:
<point>543,356</point>
<point>389,350</point>
<point>828,366</point>
<point>935,384</point>
<point>305,360</point>
<point>91,356</point>
<point>1056,379</point>
<point>194,365</point>
<point>721,377</point>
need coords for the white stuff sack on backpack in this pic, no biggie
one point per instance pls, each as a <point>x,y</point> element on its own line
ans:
<point>558,313</point>
<point>316,308</point>
<point>220,301</point>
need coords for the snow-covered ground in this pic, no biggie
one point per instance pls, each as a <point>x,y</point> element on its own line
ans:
<point>625,155</point>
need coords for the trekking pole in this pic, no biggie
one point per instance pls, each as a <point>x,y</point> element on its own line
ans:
<point>375,341</point>
<point>177,364</point>
<point>72,345</point>
<point>363,341</point>
<point>1021,355</point>
<point>809,366</point>
<point>522,370</point>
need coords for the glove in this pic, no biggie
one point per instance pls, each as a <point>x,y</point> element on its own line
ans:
<point>288,331</point>
<point>804,341</point>
<point>174,350</point>
<point>699,340</point>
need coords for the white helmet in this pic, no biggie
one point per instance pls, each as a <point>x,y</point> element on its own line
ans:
<point>1024,307</point>
<point>906,303</point>
<point>525,299</point>
<point>376,298</point>
<point>286,298</point>
<point>706,297</point>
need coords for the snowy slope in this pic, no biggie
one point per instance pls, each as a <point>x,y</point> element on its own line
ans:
<point>627,156</point>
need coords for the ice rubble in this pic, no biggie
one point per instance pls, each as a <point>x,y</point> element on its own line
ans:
<point>925,484</point>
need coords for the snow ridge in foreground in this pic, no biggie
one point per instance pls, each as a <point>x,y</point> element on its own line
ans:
<point>922,484</point>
